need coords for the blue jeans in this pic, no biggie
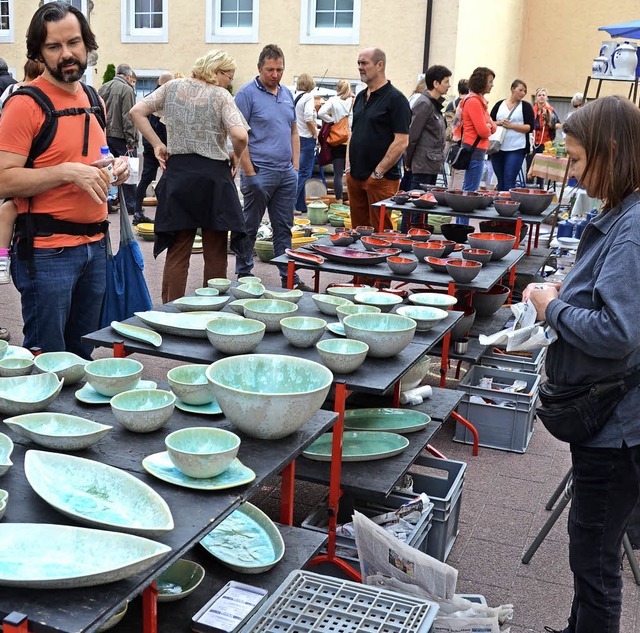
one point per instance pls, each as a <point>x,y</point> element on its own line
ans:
<point>276,190</point>
<point>506,166</point>
<point>118,147</point>
<point>606,487</point>
<point>414,183</point>
<point>307,152</point>
<point>473,175</point>
<point>61,302</point>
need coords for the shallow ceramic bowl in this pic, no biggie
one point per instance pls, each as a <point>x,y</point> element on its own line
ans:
<point>506,208</point>
<point>424,317</point>
<point>285,295</point>
<point>179,580</point>
<point>419,235</point>
<point>488,303</point>
<point>110,376</point>
<point>341,355</point>
<point>220,284</point>
<point>415,375</point>
<point>424,202</point>
<point>402,265</point>
<point>427,249</point>
<point>269,311</point>
<point>341,239</point>
<point>4,346</point>
<point>65,365</point>
<point>328,304</point>
<point>196,304</point>
<point>303,331</point>
<point>498,243</point>
<point>456,232</point>
<point>143,410</point>
<point>249,279</point>
<point>365,230</point>
<point>207,292</point>
<point>269,396</point>
<point>6,448</point>
<point>349,292</point>
<point>190,385</point>
<point>449,246</point>
<point>236,336</point>
<point>385,334</point>
<point>463,202</point>
<point>26,394</point>
<point>532,201</point>
<point>248,291</point>
<point>114,619</point>
<point>4,500</point>
<point>343,311</point>
<point>433,299</point>
<point>371,243</point>
<point>438,264</point>
<point>58,431</point>
<point>403,243</point>
<point>462,271</point>
<point>439,195</point>
<point>477,255</point>
<point>383,300</point>
<point>238,305</point>
<point>202,451</point>
<point>16,367</point>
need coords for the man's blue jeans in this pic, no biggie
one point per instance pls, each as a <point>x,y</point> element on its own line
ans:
<point>61,301</point>
<point>275,190</point>
<point>307,155</point>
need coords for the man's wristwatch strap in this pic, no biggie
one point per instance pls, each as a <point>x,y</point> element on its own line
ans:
<point>378,175</point>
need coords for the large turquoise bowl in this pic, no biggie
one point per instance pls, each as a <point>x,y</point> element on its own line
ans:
<point>385,334</point>
<point>269,396</point>
<point>110,376</point>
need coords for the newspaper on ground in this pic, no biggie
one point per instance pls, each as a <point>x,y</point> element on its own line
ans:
<point>389,563</point>
<point>525,333</point>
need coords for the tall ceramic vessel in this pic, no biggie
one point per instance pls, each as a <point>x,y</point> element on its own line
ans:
<point>624,61</point>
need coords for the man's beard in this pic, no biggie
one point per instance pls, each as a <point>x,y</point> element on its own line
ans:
<point>71,74</point>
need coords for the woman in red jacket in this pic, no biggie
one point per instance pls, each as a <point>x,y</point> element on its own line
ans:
<point>546,122</point>
<point>477,125</point>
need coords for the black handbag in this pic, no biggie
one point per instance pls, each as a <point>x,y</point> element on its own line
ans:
<point>575,414</point>
<point>460,156</point>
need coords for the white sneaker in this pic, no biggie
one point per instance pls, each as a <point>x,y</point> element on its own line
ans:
<point>5,277</point>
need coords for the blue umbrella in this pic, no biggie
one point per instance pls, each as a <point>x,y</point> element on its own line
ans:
<point>629,30</point>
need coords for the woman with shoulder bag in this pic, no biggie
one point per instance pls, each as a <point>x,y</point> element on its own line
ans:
<point>335,110</point>
<point>595,314</point>
<point>516,117</point>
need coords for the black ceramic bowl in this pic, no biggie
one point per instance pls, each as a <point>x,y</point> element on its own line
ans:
<point>457,232</point>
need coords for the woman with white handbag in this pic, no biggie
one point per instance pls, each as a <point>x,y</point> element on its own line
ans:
<point>514,118</point>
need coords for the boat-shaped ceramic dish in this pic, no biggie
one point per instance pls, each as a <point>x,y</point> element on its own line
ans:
<point>359,446</point>
<point>45,556</point>
<point>189,324</point>
<point>65,365</point>
<point>385,419</point>
<point>6,448</point>
<point>26,394</point>
<point>201,304</point>
<point>59,431</point>
<point>4,500</point>
<point>307,258</point>
<point>97,494</point>
<point>353,256</point>
<point>137,333</point>
<point>247,541</point>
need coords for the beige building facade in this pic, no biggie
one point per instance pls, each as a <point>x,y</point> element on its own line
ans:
<point>545,43</point>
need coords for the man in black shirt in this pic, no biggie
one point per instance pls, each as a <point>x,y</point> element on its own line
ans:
<point>380,134</point>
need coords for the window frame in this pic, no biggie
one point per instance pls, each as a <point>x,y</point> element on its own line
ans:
<point>129,34</point>
<point>7,35</point>
<point>310,34</point>
<point>83,6</point>
<point>238,35</point>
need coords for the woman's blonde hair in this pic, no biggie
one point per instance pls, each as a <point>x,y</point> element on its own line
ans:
<point>305,83</point>
<point>343,89</point>
<point>206,67</point>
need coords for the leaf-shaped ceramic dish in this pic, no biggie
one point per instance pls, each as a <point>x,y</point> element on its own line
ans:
<point>159,465</point>
<point>25,394</point>
<point>59,431</point>
<point>6,448</point>
<point>307,258</point>
<point>4,500</point>
<point>137,333</point>
<point>358,446</point>
<point>199,304</point>
<point>352,256</point>
<point>97,494</point>
<point>13,351</point>
<point>382,419</point>
<point>65,365</point>
<point>45,556</point>
<point>247,541</point>
<point>189,324</point>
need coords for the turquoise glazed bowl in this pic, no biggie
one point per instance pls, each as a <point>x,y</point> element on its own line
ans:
<point>269,311</point>
<point>65,365</point>
<point>383,300</point>
<point>179,580</point>
<point>4,346</point>
<point>202,451</point>
<point>248,291</point>
<point>190,385</point>
<point>341,355</point>
<point>26,394</point>
<point>385,334</point>
<point>231,336</point>
<point>269,396</point>
<point>328,304</point>
<point>143,410</point>
<point>343,311</point>
<point>220,284</point>
<point>303,331</point>
<point>424,316</point>
<point>110,376</point>
<point>15,367</point>
<point>207,292</point>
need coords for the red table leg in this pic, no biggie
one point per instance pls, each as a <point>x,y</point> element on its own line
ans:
<point>444,362</point>
<point>458,418</point>
<point>516,246</point>
<point>291,274</point>
<point>383,213</point>
<point>435,452</point>
<point>396,394</point>
<point>118,349</point>
<point>529,239</point>
<point>537,235</point>
<point>15,623</point>
<point>512,282</point>
<point>286,496</point>
<point>150,609</point>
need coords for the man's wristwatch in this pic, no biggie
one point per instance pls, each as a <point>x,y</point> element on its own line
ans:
<point>378,175</point>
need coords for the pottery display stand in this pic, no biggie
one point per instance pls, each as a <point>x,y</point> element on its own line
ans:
<point>633,88</point>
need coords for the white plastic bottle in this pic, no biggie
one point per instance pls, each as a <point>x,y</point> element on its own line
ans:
<point>106,162</point>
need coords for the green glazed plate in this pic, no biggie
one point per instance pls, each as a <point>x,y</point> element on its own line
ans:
<point>89,395</point>
<point>159,465</point>
<point>137,333</point>
<point>211,408</point>
<point>360,446</point>
<point>336,328</point>
<point>381,419</point>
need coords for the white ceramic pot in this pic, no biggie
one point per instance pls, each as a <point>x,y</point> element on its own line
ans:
<point>600,67</point>
<point>624,61</point>
<point>606,50</point>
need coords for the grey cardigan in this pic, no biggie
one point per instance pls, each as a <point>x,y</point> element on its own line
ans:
<point>425,152</point>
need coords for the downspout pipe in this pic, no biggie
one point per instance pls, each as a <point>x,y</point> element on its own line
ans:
<point>427,36</point>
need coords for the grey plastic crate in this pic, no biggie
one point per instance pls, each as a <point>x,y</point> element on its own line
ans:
<point>512,362</point>
<point>523,400</point>
<point>307,602</point>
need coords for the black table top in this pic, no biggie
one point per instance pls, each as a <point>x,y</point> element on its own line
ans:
<point>194,512</point>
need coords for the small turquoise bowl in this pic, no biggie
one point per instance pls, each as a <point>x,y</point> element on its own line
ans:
<point>10,367</point>
<point>303,331</point>
<point>342,356</point>
<point>219,283</point>
<point>110,376</point>
<point>207,292</point>
<point>235,336</point>
<point>269,311</point>
<point>143,410</point>
<point>179,580</point>
<point>343,311</point>
<point>190,385</point>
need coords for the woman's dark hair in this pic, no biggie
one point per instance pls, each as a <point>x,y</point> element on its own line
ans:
<point>54,12</point>
<point>518,82</point>
<point>463,87</point>
<point>609,130</point>
<point>436,73</point>
<point>479,78</point>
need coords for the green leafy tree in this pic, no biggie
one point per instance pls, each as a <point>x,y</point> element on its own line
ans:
<point>109,73</point>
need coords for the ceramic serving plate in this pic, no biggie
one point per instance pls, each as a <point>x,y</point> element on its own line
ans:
<point>189,324</point>
<point>200,304</point>
<point>89,395</point>
<point>6,448</point>
<point>336,328</point>
<point>211,408</point>
<point>97,494</point>
<point>307,258</point>
<point>351,256</point>
<point>44,556</point>
<point>59,431</point>
<point>382,419</point>
<point>159,465</point>
<point>137,333</point>
<point>247,541</point>
<point>360,446</point>
<point>25,394</point>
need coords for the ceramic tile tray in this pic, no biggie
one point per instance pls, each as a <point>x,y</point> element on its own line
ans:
<point>309,602</point>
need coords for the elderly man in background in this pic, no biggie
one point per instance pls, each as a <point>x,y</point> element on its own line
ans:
<point>380,134</point>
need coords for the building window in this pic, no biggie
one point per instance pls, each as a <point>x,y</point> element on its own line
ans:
<point>330,21</point>
<point>81,5</point>
<point>144,21</point>
<point>232,21</point>
<point>6,20</point>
